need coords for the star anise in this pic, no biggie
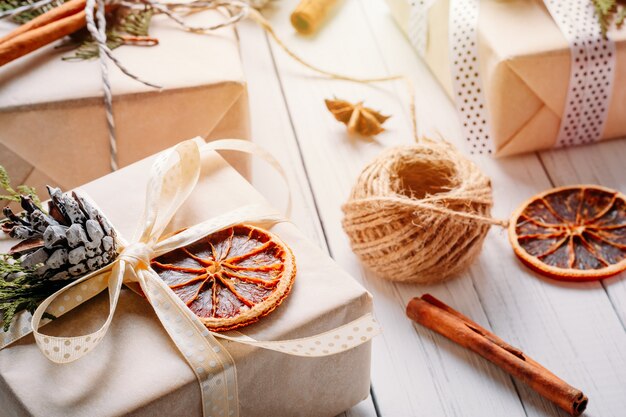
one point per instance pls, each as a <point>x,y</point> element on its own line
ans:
<point>358,118</point>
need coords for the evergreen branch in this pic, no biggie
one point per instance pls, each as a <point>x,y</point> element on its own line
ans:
<point>31,192</point>
<point>21,18</point>
<point>21,289</point>
<point>14,195</point>
<point>132,22</point>
<point>87,48</point>
<point>621,16</point>
<point>5,181</point>
<point>608,12</point>
<point>136,22</point>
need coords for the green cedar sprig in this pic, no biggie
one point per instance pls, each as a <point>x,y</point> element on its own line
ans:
<point>20,289</point>
<point>609,12</point>
<point>134,22</point>
<point>85,47</point>
<point>21,18</point>
<point>14,194</point>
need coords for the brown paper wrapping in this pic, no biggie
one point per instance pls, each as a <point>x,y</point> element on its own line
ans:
<point>525,68</point>
<point>137,370</point>
<point>52,113</point>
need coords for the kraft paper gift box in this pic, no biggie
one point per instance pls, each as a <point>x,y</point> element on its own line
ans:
<point>137,370</point>
<point>52,113</point>
<point>524,62</point>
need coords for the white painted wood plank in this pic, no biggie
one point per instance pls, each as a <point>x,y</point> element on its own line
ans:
<point>271,128</point>
<point>603,163</point>
<point>362,409</point>
<point>543,317</point>
<point>574,332</point>
<point>410,375</point>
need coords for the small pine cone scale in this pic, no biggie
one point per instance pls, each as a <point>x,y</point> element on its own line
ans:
<point>71,239</point>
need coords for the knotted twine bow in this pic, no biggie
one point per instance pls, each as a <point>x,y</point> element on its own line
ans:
<point>172,179</point>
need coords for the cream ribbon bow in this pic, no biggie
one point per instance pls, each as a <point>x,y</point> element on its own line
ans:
<point>173,178</point>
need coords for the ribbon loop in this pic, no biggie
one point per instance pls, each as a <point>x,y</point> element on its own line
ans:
<point>173,177</point>
<point>67,349</point>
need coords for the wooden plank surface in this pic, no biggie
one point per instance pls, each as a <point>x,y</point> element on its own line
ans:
<point>578,331</point>
<point>573,330</point>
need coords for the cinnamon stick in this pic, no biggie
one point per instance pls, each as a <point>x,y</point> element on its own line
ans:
<point>32,40</point>
<point>437,316</point>
<point>47,28</point>
<point>66,9</point>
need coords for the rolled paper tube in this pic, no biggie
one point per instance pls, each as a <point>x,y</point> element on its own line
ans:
<point>437,316</point>
<point>309,15</point>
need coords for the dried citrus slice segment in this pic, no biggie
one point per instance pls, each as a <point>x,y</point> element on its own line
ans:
<point>573,233</point>
<point>230,278</point>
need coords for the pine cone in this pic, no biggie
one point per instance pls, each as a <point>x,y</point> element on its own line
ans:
<point>73,238</point>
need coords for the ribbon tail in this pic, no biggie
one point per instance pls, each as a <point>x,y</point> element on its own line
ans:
<point>332,342</point>
<point>213,366</point>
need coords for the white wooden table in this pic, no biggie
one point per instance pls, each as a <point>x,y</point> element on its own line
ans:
<point>577,331</point>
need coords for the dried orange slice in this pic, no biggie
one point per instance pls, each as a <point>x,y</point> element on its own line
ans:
<point>230,278</point>
<point>575,233</point>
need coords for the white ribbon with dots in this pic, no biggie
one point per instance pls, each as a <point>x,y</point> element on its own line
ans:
<point>418,24</point>
<point>591,75</point>
<point>466,81</point>
<point>173,178</point>
<point>592,70</point>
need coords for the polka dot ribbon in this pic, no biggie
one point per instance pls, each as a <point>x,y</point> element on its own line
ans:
<point>591,74</point>
<point>418,24</point>
<point>173,178</point>
<point>467,85</point>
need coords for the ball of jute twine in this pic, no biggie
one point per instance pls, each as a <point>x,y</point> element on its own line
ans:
<point>419,213</point>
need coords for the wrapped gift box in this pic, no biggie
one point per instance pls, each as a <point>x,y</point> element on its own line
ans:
<point>524,62</point>
<point>52,112</point>
<point>137,370</point>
